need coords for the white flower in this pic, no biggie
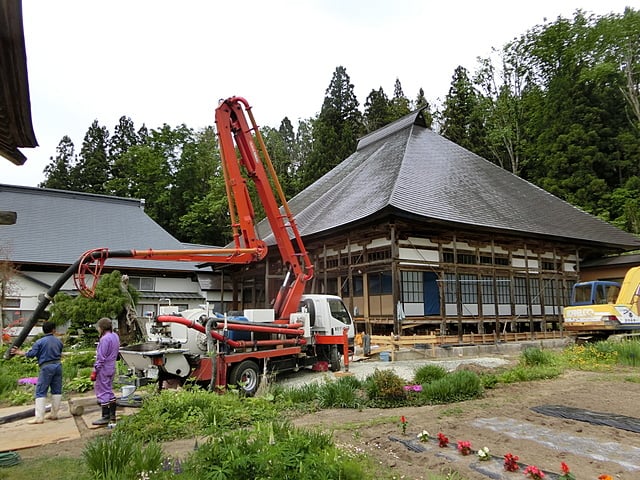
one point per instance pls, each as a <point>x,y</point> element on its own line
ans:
<point>483,453</point>
<point>423,436</point>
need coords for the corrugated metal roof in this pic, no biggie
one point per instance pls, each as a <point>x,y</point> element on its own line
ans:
<point>56,227</point>
<point>407,168</point>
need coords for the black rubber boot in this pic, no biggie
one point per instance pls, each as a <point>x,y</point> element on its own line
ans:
<point>104,420</point>
<point>112,411</point>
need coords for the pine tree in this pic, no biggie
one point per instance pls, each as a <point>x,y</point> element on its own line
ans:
<point>57,172</point>
<point>377,110</point>
<point>337,128</point>
<point>462,120</point>
<point>92,172</point>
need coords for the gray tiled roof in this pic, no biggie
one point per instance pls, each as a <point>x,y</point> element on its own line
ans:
<point>407,169</point>
<point>56,227</point>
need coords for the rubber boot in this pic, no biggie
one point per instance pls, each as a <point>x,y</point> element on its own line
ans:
<point>104,420</point>
<point>40,409</point>
<point>55,407</point>
<point>112,412</point>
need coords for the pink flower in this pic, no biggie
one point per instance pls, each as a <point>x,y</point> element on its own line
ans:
<point>464,447</point>
<point>534,472</point>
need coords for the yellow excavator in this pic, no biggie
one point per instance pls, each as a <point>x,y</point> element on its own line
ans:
<point>603,308</point>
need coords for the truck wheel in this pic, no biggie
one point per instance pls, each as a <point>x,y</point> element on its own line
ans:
<point>334,359</point>
<point>246,376</point>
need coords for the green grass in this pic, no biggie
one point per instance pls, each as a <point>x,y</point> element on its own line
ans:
<point>58,467</point>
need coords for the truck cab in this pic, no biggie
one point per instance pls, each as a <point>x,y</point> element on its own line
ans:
<point>594,293</point>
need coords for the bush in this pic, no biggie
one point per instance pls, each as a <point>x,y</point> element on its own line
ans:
<point>455,387</point>
<point>536,357</point>
<point>428,373</point>
<point>384,386</point>
<point>341,393</point>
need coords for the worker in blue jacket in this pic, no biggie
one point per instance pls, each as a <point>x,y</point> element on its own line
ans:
<point>48,351</point>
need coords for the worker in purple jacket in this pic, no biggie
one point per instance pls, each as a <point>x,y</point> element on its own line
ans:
<point>104,370</point>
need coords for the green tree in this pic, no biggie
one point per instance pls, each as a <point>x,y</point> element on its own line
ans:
<point>113,299</point>
<point>461,120</point>
<point>502,107</point>
<point>576,112</point>
<point>58,171</point>
<point>195,167</point>
<point>336,130</point>
<point>400,104</point>
<point>124,137</point>
<point>377,110</point>
<point>91,172</point>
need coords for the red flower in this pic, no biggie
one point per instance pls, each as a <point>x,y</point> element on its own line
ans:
<point>564,467</point>
<point>511,462</point>
<point>534,472</point>
<point>464,447</point>
<point>402,419</point>
<point>443,441</point>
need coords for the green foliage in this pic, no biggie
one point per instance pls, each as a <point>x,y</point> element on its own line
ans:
<point>174,414</point>
<point>454,387</point>
<point>523,373</point>
<point>110,301</point>
<point>273,450</point>
<point>589,356</point>
<point>121,456</point>
<point>384,387</point>
<point>48,467</point>
<point>628,353</point>
<point>537,357</point>
<point>340,393</point>
<point>428,373</point>
<point>303,395</point>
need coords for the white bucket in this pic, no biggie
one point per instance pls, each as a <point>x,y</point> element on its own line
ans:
<point>128,390</point>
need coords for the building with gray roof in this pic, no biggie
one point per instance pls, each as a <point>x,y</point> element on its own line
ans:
<point>421,235</point>
<point>55,227</point>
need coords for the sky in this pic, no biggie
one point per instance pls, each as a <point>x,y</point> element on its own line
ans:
<point>169,62</point>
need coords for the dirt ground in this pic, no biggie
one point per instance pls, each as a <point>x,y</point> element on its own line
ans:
<point>501,420</point>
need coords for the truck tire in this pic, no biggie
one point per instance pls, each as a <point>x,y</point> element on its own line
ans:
<point>246,376</point>
<point>334,359</point>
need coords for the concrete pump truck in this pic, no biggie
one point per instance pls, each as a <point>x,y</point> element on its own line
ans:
<point>299,331</point>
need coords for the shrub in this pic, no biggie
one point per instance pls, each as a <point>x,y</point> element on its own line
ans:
<point>385,386</point>
<point>428,373</point>
<point>536,357</point>
<point>455,387</point>
<point>342,393</point>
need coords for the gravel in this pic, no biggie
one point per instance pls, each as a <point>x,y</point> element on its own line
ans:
<point>365,367</point>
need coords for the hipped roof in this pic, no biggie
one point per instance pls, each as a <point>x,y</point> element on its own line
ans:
<point>407,170</point>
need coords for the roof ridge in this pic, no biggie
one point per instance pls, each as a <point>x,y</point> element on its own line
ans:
<point>416,118</point>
